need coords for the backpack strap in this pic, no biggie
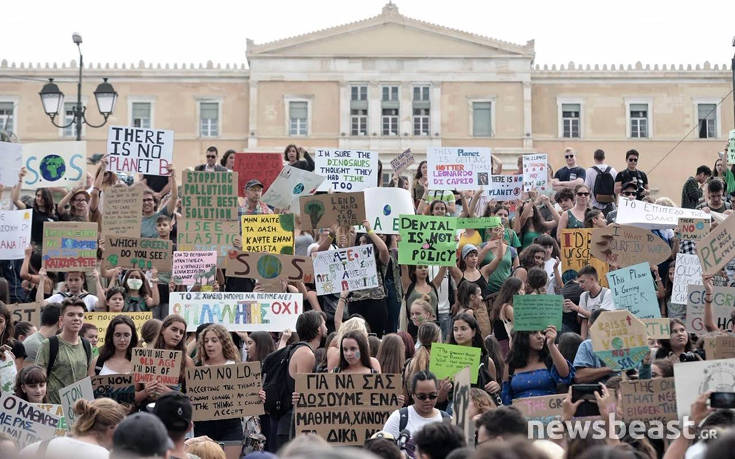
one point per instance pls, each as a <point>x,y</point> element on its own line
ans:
<point>445,415</point>
<point>597,169</point>
<point>403,422</point>
<point>87,349</point>
<point>53,351</point>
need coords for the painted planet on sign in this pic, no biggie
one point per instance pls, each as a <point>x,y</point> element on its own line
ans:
<point>387,210</point>
<point>298,189</point>
<point>52,167</point>
<point>700,225</point>
<point>269,267</point>
<point>617,343</point>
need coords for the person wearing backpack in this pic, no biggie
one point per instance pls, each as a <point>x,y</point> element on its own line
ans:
<point>600,180</point>
<point>424,390</point>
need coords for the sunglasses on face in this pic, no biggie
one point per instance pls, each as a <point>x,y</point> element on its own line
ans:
<point>629,193</point>
<point>431,396</point>
<point>633,160</point>
<point>211,156</point>
<point>582,193</point>
<point>568,156</point>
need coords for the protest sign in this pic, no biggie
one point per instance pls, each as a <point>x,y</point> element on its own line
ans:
<point>290,184</point>
<point>121,216</point>
<point>54,164</point>
<point>505,187</point>
<point>138,252</point>
<point>15,233</point>
<point>717,248</point>
<point>657,328</point>
<point>102,319</point>
<point>118,387</point>
<point>324,210</point>
<point>136,150</point>
<point>731,147</point>
<point>383,208</point>
<point>29,312</point>
<point>461,404</point>
<point>427,240</point>
<point>458,168</point>
<point>345,408</point>
<point>535,172</point>
<point>56,410</point>
<point>692,229</point>
<point>346,170</point>
<point>12,155</point>
<point>628,245</point>
<point>25,422</point>
<point>478,222</point>
<point>536,312</point>
<point>619,339</point>
<point>267,266</point>
<point>688,271</point>
<point>439,195</point>
<point>271,233</point>
<point>402,161</point>
<point>694,378</point>
<point>723,305</point>
<point>260,166</point>
<point>576,253</point>
<point>649,399</point>
<point>719,347</point>
<point>651,216</point>
<point>238,311</point>
<point>7,372</point>
<point>225,391</point>
<point>345,270</point>
<point>209,195</point>
<point>207,235</point>
<point>69,395</point>
<point>160,365</point>
<point>192,268</point>
<point>632,289</point>
<point>449,359</point>
<point>69,246</point>
<point>545,409</point>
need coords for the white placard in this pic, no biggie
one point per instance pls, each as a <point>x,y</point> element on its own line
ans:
<point>458,168</point>
<point>15,233</point>
<point>688,271</point>
<point>12,160</point>
<point>54,164</point>
<point>384,206</point>
<point>347,269</point>
<point>139,151</point>
<point>26,422</point>
<point>535,173</point>
<point>652,216</point>
<point>694,378</point>
<point>505,187</point>
<point>346,170</point>
<point>81,389</point>
<point>290,184</point>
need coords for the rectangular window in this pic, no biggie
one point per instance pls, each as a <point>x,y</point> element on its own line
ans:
<point>358,119</point>
<point>208,119</point>
<point>390,93</point>
<point>6,116</point>
<point>71,130</point>
<point>639,120</point>
<point>141,114</point>
<point>390,121</point>
<point>298,116</point>
<point>570,120</point>
<point>358,93</point>
<point>420,121</point>
<point>481,122</point>
<point>707,118</point>
<point>420,93</point>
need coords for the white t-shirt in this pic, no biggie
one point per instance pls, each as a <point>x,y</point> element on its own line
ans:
<point>603,300</point>
<point>589,181</point>
<point>443,290</point>
<point>551,283</point>
<point>89,300</point>
<point>66,448</point>
<point>415,422</point>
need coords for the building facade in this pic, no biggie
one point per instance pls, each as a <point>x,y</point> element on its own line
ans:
<point>390,82</point>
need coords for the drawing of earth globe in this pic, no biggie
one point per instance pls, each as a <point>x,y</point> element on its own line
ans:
<point>387,210</point>
<point>52,168</point>
<point>718,380</point>
<point>269,267</point>
<point>298,188</point>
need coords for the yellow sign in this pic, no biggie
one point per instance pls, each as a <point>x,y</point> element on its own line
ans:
<point>102,320</point>
<point>269,233</point>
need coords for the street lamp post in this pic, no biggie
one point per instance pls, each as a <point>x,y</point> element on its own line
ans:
<point>53,99</point>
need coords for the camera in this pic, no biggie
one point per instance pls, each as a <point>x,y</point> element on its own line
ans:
<point>688,357</point>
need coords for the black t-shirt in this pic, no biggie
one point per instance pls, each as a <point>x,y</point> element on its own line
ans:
<point>566,174</point>
<point>156,182</point>
<point>633,176</point>
<point>571,291</point>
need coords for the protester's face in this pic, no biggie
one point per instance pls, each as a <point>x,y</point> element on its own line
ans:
<point>476,297</point>
<point>548,250</point>
<point>586,282</point>
<point>497,232</point>
<point>212,345</point>
<point>351,351</point>
<point>566,204</point>
<point>629,193</point>
<point>74,281</point>
<point>211,158</point>
<point>173,334</point>
<point>40,202</point>
<point>502,213</point>
<point>583,196</point>
<point>569,156</point>
<point>292,154</point>
<point>251,347</point>
<point>656,372</point>
<point>715,198</point>
<point>423,169</point>
<point>79,202</point>
<point>35,392</point>
<point>72,318</point>
<point>539,258</point>
<point>428,391</point>
<point>121,336</point>
<point>718,166</point>
<point>672,272</point>
<point>679,336</point>
<point>440,210</point>
<point>254,193</point>
<point>163,228</point>
<point>463,333</point>
<point>116,303</point>
<point>599,221</point>
<point>632,162</point>
<point>149,205</point>
<point>323,331</point>
<point>471,259</point>
<point>422,271</point>
<point>134,276</point>
<point>404,184</point>
<point>92,335</point>
<point>230,163</point>
<point>418,315</point>
<point>536,340</point>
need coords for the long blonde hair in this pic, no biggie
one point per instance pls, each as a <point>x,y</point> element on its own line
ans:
<point>354,324</point>
<point>229,350</point>
<point>428,333</point>
<point>96,417</point>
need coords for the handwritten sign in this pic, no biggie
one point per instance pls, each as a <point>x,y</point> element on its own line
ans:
<point>54,164</point>
<point>25,422</point>
<point>536,312</point>
<point>261,166</point>
<point>207,235</point>
<point>619,339</point>
<point>69,246</point>
<point>57,410</point>
<point>238,311</point>
<point>723,306</point>
<point>15,233</point>
<point>658,328</point>
<point>383,208</point>
<point>402,161</point>
<point>209,195</point>
<point>649,399</point>
<point>717,248</point>
<point>427,240</point>
<point>576,253</point>
<point>505,187</point>
<point>535,172</point>
<point>322,211</point>
<point>545,409</point>
<point>346,170</point>
<point>345,270</point>
<point>137,252</point>
<point>458,168</point>
<point>191,268</point>
<point>158,365</point>
<point>12,154</point>
<point>118,387</point>
<point>449,359</point>
<point>719,347</point>
<point>694,378</point>
<point>628,245</point>
<point>102,319</point>
<point>69,395</point>
<point>632,289</point>
<point>345,408</point>
<point>268,267</point>
<point>688,271</point>
<point>269,233</point>
<point>461,404</point>
<point>7,372</point>
<point>29,312</point>
<point>121,216</point>
<point>139,150</point>
<point>478,222</point>
<point>731,147</point>
<point>225,391</point>
<point>651,216</point>
<point>291,184</point>
<point>692,229</point>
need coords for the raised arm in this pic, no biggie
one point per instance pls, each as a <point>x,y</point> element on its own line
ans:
<point>473,203</point>
<point>439,278</point>
<point>15,193</point>
<point>171,205</point>
<point>560,363</point>
<point>709,320</point>
<point>383,254</point>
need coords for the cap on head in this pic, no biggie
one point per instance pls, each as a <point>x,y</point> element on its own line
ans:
<point>253,182</point>
<point>467,248</point>
<point>174,409</point>
<point>141,434</point>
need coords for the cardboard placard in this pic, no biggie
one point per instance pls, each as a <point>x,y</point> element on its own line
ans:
<point>458,168</point>
<point>269,267</point>
<point>719,347</point>
<point>723,305</point>
<point>402,161</point>
<point>628,245</point>
<point>688,272</point>
<point>345,408</point>
<point>694,378</point>
<point>345,270</point>
<point>478,222</point>
<point>81,389</point>
<point>136,150</point>
<point>238,311</point>
<point>207,235</point>
<point>29,312</point>
<point>194,268</point>
<point>54,164</point>
<point>261,166</point>
<point>118,387</point>
<point>619,339</point>
<point>324,210</point>
<point>535,172</point>
<point>384,207</point>
<point>536,312</point>
<point>69,246</point>
<point>138,252</point>
<point>225,391</point>
<point>717,248</point>
<point>658,328</point>
<point>346,170</point>
<point>57,410</point>
<point>651,216</point>
<point>25,422</point>
<point>12,154</point>
<point>546,408</point>
<point>15,233</point>
<point>158,365</point>
<point>102,319</point>
<point>427,240</point>
<point>692,229</point>
<point>505,187</point>
<point>649,399</point>
<point>209,195</point>
<point>449,359</point>
<point>121,216</point>
<point>271,233</point>
<point>632,289</point>
<point>290,184</point>
<point>576,253</point>
<point>461,405</point>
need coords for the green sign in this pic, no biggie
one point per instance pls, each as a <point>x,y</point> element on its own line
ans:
<point>536,312</point>
<point>449,359</point>
<point>478,222</point>
<point>427,240</point>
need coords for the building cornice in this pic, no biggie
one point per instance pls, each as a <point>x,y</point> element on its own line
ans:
<point>630,71</point>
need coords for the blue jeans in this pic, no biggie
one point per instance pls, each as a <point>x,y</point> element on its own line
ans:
<point>445,324</point>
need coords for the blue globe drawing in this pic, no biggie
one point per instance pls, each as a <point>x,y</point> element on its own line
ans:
<point>386,210</point>
<point>298,189</point>
<point>52,168</point>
